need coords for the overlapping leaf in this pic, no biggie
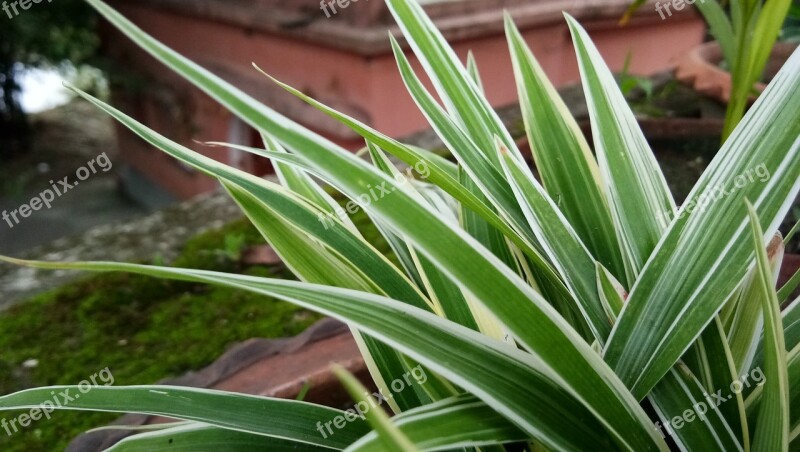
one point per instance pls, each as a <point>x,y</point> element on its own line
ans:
<point>492,284</point>
<point>489,369</point>
<point>277,418</point>
<point>706,252</point>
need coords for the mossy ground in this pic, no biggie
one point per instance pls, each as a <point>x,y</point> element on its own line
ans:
<point>142,329</point>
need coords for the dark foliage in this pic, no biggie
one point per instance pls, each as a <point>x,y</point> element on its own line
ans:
<point>48,33</point>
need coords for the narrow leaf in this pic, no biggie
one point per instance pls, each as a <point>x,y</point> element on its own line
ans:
<point>772,426</point>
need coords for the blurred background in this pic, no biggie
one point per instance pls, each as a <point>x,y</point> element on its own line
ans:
<point>58,328</point>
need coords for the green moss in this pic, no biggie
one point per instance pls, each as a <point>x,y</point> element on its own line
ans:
<point>143,329</point>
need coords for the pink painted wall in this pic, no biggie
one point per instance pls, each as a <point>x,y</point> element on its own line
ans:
<point>368,88</point>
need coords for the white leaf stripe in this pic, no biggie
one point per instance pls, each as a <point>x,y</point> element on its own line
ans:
<point>563,158</point>
<point>640,200</point>
<point>279,418</point>
<point>462,421</point>
<point>489,369</point>
<point>456,87</point>
<point>772,424</point>
<point>565,249</point>
<point>704,255</point>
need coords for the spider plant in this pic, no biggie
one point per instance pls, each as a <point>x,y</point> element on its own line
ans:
<point>579,311</point>
<point>746,39</point>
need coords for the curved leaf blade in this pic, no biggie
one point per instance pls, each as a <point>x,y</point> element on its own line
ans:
<point>278,418</point>
<point>197,437</point>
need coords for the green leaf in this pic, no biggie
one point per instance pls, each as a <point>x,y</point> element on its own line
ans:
<point>544,407</point>
<point>746,324</point>
<point>562,245</point>
<point>791,333</point>
<point>772,426</point>
<point>720,28</point>
<point>493,240</point>
<point>641,204</point>
<point>686,412</point>
<point>753,55</point>
<point>314,262</point>
<point>278,418</point>
<point>612,294</point>
<point>564,161</point>
<point>706,253</point>
<point>681,401</point>
<point>793,366</point>
<point>635,5</point>
<point>481,169</point>
<point>461,95</point>
<point>792,232</point>
<point>457,422</point>
<point>791,324</point>
<point>196,437</point>
<point>301,182</point>
<point>446,296</point>
<point>391,438</point>
<point>711,361</point>
<point>472,70</point>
